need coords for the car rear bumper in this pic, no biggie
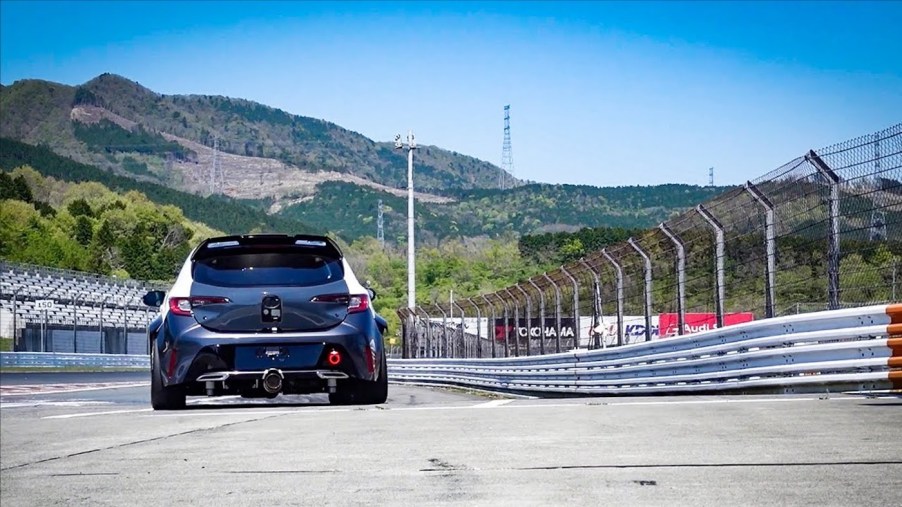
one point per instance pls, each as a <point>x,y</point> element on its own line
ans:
<point>189,352</point>
<point>223,376</point>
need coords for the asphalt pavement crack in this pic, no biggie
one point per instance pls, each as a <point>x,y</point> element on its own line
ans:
<point>137,442</point>
<point>713,465</point>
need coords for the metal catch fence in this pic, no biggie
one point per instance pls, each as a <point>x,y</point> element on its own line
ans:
<point>821,232</point>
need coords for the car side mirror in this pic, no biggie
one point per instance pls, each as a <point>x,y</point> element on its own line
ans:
<point>372,293</point>
<point>154,298</point>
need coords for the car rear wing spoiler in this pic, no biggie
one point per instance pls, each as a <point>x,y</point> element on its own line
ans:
<point>314,245</point>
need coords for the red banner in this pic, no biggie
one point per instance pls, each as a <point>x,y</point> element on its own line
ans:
<point>698,322</point>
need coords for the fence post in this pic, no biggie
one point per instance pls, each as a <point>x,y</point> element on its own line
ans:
<point>75,321</point>
<point>125,324</point>
<point>527,318</point>
<point>490,329</point>
<point>648,288</point>
<point>516,305</point>
<point>17,347</point>
<point>462,344</point>
<point>681,278</point>
<point>507,351</point>
<point>478,328</point>
<point>833,252</point>
<point>557,312</point>
<point>444,348</point>
<point>102,305</point>
<point>576,337</point>
<point>619,271</point>
<point>427,327</point>
<point>595,304</point>
<point>770,242</point>
<point>541,316</point>
<point>405,331</point>
<point>436,338</point>
<point>719,254</point>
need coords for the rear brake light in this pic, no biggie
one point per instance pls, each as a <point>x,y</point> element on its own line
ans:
<point>184,306</point>
<point>356,302</point>
<point>334,358</point>
<point>359,303</point>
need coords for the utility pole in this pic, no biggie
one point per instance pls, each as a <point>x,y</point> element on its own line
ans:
<point>411,259</point>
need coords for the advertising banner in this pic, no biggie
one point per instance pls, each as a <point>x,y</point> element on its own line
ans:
<point>698,322</point>
<point>633,329</point>
<point>535,330</point>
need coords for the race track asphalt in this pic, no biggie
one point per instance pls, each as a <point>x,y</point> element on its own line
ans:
<point>92,439</point>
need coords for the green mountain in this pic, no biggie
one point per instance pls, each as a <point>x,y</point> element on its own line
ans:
<point>216,211</point>
<point>62,116</point>
<point>351,210</point>
<point>297,172</point>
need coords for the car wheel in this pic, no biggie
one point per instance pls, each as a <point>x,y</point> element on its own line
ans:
<point>356,392</point>
<point>377,392</point>
<point>163,397</point>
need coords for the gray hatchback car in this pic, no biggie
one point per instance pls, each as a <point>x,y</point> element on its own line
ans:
<point>259,315</point>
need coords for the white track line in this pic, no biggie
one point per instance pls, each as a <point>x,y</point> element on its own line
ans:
<point>493,403</point>
<point>25,390</point>
<point>89,414</point>
<point>503,404</point>
<point>41,403</point>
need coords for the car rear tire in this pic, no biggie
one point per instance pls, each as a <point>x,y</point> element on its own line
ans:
<point>163,397</point>
<point>357,392</point>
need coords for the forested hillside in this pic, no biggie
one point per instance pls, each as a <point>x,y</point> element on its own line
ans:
<point>88,227</point>
<point>351,210</point>
<point>220,212</point>
<point>42,112</point>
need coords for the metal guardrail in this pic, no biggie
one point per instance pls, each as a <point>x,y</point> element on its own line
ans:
<point>858,348</point>
<point>63,360</point>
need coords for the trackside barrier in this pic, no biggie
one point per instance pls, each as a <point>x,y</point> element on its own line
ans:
<point>857,348</point>
<point>62,360</point>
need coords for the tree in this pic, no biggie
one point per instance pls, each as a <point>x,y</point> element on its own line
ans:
<point>80,208</point>
<point>84,230</point>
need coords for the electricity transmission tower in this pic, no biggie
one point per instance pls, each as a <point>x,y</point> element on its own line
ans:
<point>380,230</point>
<point>507,158</point>
<point>216,177</point>
<point>710,176</point>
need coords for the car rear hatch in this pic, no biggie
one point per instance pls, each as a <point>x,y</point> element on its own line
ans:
<point>270,283</point>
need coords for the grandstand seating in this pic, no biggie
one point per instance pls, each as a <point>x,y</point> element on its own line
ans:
<point>92,297</point>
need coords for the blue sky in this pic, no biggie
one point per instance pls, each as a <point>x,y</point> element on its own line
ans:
<point>600,93</point>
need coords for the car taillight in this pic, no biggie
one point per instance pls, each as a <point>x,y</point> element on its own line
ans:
<point>356,302</point>
<point>359,303</point>
<point>334,358</point>
<point>184,306</point>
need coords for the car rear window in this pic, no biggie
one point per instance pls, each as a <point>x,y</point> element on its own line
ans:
<point>248,269</point>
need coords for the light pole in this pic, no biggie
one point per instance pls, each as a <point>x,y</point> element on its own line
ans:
<point>411,260</point>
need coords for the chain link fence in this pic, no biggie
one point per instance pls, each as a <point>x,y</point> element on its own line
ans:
<point>820,232</point>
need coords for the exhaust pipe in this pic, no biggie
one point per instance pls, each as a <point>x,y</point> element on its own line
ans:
<point>272,380</point>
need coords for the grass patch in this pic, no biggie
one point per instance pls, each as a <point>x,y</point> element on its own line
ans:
<point>6,344</point>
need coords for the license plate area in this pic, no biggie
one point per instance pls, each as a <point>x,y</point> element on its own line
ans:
<point>261,357</point>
